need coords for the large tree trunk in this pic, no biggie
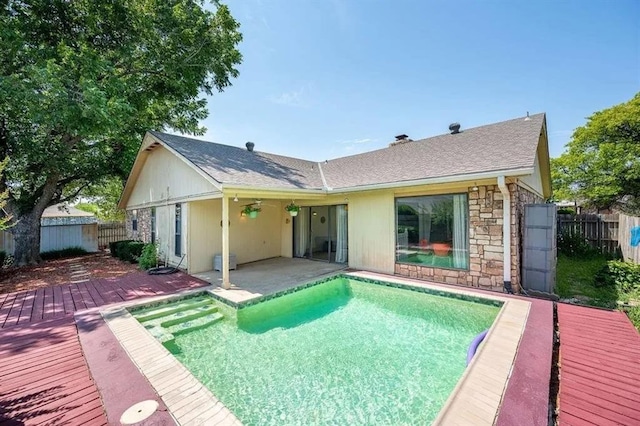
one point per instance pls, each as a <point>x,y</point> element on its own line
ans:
<point>26,234</point>
<point>26,228</point>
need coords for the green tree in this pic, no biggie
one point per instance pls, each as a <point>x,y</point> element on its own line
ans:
<point>103,199</point>
<point>82,80</point>
<point>601,165</point>
<point>5,219</point>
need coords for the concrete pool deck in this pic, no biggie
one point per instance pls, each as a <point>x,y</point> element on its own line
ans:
<point>487,385</point>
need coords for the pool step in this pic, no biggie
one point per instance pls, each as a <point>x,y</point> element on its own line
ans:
<point>188,315</point>
<point>168,334</point>
<point>152,313</point>
<point>165,321</point>
<point>195,324</point>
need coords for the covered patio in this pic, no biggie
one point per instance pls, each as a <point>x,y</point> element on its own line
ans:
<point>268,276</point>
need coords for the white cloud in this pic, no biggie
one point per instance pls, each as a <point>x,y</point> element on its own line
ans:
<point>294,98</point>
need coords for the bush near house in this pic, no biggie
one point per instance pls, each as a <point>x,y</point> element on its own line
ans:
<point>127,250</point>
<point>113,246</point>
<point>60,254</point>
<point>149,257</point>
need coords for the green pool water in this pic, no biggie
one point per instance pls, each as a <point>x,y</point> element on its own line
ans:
<point>341,352</point>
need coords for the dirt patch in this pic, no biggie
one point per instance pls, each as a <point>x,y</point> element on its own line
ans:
<point>57,272</point>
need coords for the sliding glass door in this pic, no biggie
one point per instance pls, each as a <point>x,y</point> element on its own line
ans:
<point>321,233</point>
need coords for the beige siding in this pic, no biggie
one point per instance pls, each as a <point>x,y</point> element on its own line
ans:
<point>533,182</point>
<point>165,222</point>
<point>163,173</point>
<point>205,239</point>
<point>250,239</point>
<point>286,242</point>
<point>259,238</point>
<point>371,231</point>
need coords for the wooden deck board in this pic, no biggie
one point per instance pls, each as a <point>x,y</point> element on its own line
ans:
<point>44,376</point>
<point>599,368</point>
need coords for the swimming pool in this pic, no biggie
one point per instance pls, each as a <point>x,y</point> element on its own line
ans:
<point>343,351</point>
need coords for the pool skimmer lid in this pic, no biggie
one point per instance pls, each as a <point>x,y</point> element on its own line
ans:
<point>139,412</point>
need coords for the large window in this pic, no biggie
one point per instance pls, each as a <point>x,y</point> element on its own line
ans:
<point>433,231</point>
<point>178,235</point>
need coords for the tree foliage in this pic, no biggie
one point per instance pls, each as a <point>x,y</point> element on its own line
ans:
<point>102,199</point>
<point>601,165</point>
<point>82,80</point>
<point>5,218</point>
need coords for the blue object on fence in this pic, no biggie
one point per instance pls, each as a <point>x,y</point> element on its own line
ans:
<point>635,236</point>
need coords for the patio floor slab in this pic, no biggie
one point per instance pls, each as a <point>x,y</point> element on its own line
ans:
<point>269,276</point>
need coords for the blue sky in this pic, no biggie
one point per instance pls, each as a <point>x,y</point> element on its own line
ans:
<point>326,78</point>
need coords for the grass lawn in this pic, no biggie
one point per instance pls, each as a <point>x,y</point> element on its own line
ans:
<point>575,279</point>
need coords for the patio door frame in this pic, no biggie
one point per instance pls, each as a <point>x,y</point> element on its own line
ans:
<point>332,215</point>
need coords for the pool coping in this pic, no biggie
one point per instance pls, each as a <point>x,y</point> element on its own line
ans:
<point>476,398</point>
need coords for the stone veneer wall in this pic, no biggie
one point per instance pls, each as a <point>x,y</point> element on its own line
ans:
<point>144,225</point>
<point>486,253</point>
<point>519,197</point>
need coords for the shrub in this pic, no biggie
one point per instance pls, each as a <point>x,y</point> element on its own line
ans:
<point>59,254</point>
<point>625,276</point>
<point>130,251</point>
<point>574,244</point>
<point>149,257</point>
<point>634,316</point>
<point>114,245</point>
<point>566,210</point>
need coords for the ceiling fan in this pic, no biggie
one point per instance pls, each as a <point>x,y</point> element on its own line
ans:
<point>258,202</point>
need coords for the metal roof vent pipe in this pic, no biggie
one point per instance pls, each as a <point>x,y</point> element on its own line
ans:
<point>454,128</point>
<point>250,146</point>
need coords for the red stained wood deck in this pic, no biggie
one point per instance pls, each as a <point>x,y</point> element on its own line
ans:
<point>44,378</point>
<point>599,367</point>
<point>59,301</point>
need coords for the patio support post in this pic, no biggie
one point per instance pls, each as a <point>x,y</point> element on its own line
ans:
<point>225,242</point>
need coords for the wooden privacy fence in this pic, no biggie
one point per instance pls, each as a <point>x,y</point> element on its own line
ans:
<point>601,230</point>
<point>629,235</point>
<point>109,232</point>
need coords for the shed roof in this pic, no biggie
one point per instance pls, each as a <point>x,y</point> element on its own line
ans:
<point>62,210</point>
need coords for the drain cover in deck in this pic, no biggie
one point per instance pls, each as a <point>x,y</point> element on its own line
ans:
<point>139,412</point>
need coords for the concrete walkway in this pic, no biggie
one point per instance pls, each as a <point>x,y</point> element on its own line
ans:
<point>269,276</point>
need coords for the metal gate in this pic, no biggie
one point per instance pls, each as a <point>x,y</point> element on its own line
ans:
<point>539,248</point>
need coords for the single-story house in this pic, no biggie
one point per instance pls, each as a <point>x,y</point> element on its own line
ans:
<point>446,208</point>
<point>62,226</point>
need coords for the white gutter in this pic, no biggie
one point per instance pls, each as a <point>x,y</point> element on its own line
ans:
<point>506,232</point>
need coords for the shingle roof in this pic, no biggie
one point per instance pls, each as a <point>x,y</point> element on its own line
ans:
<point>232,165</point>
<point>507,145</point>
<point>501,146</point>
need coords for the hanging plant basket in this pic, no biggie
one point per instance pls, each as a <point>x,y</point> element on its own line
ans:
<point>251,211</point>
<point>293,209</point>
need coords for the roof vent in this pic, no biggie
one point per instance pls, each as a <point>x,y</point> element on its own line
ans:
<point>455,128</point>
<point>400,139</point>
<point>250,146</point>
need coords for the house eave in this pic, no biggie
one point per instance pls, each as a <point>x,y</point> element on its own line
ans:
<point>438,180</point>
